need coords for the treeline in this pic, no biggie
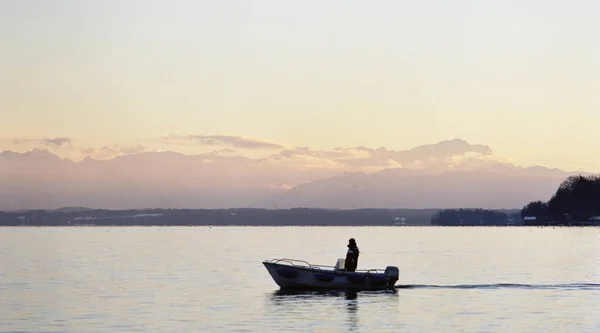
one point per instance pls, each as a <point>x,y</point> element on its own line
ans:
<point>219,217</point>
<point>576,200</point>
<point>474,217</point>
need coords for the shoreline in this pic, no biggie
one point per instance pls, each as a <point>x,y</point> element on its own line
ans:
<point>299,226</point>
<point>257,217</point>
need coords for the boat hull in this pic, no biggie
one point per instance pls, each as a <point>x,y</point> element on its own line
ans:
<point>300,277</point>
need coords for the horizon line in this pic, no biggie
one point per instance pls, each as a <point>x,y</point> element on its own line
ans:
<point>76,209</point>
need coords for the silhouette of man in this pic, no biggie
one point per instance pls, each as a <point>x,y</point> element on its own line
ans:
<point>351,256</point>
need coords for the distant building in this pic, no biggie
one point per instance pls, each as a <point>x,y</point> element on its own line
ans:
<point>400,220</point>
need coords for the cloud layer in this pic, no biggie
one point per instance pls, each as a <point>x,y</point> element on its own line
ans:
<point>47,142</point>
<point>221,140</point>
<point>451,172</point>
<point>108,152</point>
<point>451,154</point>
<point>455,154</point>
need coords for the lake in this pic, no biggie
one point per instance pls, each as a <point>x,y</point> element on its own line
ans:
<point>200,279</point>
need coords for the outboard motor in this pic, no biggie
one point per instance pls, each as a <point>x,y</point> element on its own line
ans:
<point>392,273</point>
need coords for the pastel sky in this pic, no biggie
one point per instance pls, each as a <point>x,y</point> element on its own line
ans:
<point>520,76</point>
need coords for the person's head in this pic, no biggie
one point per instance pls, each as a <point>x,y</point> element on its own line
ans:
<point>351,242</point>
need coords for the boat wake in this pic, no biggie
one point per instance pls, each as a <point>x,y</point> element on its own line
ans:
<point>566,286</point>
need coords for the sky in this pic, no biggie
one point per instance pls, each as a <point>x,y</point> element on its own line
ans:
<point>519,76</point>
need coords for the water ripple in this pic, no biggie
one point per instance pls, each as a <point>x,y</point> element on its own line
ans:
<point>80,280</point>
<point>562,286</point>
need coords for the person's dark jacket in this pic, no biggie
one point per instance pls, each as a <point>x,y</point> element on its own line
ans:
<point>352,258</point>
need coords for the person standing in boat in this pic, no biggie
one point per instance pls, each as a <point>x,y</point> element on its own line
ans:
<point>352,256</point>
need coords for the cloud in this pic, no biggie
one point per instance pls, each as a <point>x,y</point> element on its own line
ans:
<point>335,154</point>
<point>133,150</point>
<point>342,158</point>
<point>222,140</point>
<point>300,162</point>
<point>21,141</point>
<point>455,154</point>
<point>56,142</point>
<point>50,142</point>
<point>445,155</point>
<point>441,150</point>
<point>282,187</point>
<point>108,152</point>
<point>103,153</point>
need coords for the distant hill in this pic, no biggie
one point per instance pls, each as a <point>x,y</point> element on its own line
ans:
<point>409,188</point>
<point>448,174</point>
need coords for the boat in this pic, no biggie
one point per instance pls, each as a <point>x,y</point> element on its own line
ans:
<point>299,274</point>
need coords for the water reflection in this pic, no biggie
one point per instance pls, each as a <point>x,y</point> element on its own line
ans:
<point>349,294</point>
<point>352,309</point>
<point>337,306</point>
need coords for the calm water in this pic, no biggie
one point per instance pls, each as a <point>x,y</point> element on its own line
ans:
<point>212,280</point>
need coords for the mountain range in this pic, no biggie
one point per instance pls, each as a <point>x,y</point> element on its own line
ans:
<point>447,174</point>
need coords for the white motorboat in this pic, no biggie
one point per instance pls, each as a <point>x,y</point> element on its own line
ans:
<point>299,274</point>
